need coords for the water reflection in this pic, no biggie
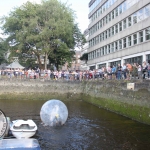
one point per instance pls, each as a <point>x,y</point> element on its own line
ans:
<point>88,127</point>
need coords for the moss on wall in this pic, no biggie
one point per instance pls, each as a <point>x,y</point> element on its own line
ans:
<point>138,113</point>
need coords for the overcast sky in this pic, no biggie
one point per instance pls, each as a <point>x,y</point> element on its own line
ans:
<point>79,6</point>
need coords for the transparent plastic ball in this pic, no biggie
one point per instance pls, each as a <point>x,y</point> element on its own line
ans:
<point>54,113</point>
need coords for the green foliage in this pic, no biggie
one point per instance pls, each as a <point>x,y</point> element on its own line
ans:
<point>84,57</point>
<point>3,50</point>
<point>46,29</point>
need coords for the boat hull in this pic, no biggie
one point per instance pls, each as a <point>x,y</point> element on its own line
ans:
<point>23,134</point>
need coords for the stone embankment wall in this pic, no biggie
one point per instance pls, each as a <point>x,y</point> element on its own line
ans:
<point>111,95</point>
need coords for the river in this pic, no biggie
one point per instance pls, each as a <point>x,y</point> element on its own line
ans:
<point>87,128</point>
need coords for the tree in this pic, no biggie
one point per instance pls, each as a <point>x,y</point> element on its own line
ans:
<point>61,55</point>
<point>3,50</point>
<point>42,29</point>
<point>84,57</point>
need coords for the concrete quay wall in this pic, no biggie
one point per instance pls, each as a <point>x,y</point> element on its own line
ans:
<point>110,95</point>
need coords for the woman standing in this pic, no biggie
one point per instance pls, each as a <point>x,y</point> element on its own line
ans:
<point>144,68</point>
<point>139,68</point>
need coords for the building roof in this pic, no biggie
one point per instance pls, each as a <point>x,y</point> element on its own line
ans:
<point>15,65</point>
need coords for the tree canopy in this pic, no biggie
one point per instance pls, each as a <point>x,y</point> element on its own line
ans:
<point>3,50</point>
<point>47,29</point>
<point>84,57</point>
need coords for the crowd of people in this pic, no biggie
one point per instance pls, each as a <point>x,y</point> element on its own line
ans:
<point>126,72</point>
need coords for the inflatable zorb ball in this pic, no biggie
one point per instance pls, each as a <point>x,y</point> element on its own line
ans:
<point>54,113</point>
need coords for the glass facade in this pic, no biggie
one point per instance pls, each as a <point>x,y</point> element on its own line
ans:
<point>122,25</point>
<point>105,6</point>
<point>147,57</point>
<point>115,63</point>
<point>123,43</point>
<point>101,65</point>
<point>113,14</point>
<point>132,60</point>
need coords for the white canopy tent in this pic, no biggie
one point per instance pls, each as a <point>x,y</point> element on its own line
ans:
<point>15,65</point>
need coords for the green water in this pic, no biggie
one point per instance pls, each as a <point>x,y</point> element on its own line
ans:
<point>87,128</point>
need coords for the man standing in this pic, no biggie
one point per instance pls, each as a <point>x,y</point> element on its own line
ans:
<point>119,72</point>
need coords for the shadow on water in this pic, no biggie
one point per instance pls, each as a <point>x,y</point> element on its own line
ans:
<point>87,128</point>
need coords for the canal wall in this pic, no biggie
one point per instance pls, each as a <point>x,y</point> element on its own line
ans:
<point>122,97</point>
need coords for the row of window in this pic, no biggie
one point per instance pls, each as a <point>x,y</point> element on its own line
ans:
<point>102,9</point>
<point>125,42</point>
<point>138,59</point>
<point>112,15</point>
<point>105,6</point>
<point>127,22</point>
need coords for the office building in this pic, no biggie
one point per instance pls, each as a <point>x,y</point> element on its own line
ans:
<point>119,32</point>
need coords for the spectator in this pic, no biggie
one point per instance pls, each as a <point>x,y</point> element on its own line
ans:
<point>129,71</point>
<point>114,72</point>
<point>134,70</point>
<point>139,68</point>
<point>119,73</point>
<point>144,69</point>
<point>124,71</point>
<point>148,69</point>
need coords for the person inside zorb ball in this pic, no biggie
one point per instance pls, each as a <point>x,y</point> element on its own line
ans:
<point>54,113</point>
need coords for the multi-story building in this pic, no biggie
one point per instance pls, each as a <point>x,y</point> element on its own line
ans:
<point>119,32</point>
<point>75,64</point>
<point>84,50</point>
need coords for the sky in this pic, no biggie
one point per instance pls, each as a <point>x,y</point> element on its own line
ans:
<point>79,6</point>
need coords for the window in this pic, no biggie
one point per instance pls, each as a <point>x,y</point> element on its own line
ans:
<point>124,6</point>
<point>124,43</point>
<point>100,37</point>
<point>108,49</point>
<point>140,36</point>
<point>106,5</point>
<point>112,47</point>
<point>140,15</point>
<point>106,19</point>
<point>97,26</point>
<point>129,21</point>
<point>120,26</point>
<point>135,39</point>
<point>103,9</point>
<point>109,32</point>
<point>124,24</point>
<point>100,23</point>
<point>94,54</point>
<point>105,49</point>
<point>102,50</point>
<point>100,10</point>
<point>116,45</point>
<point>120,44</point>
<point>105,34</point>
<point>134,18</point>
<point>129,41</point>
<point>116,12</point>
<point>112,14</point>
<point>147,11</point>
<point>103,20</point>
<point>116,28</point>
<point>120,9</point>
<point>112,30</point>
<point>109,15</point>
<point>98,53</point>
<point>147,33</point>
<point>97,39</point>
